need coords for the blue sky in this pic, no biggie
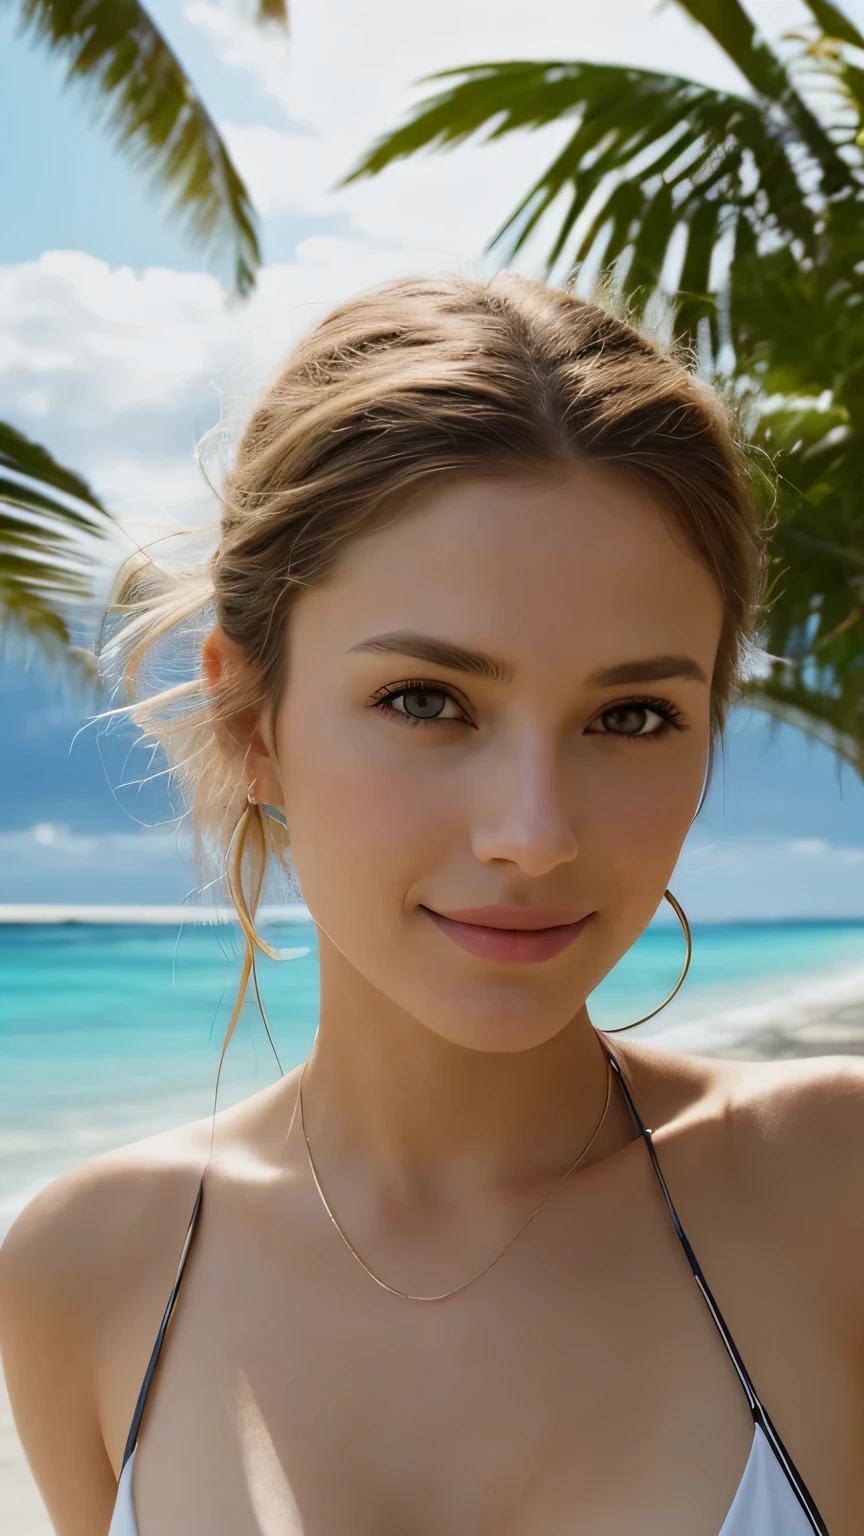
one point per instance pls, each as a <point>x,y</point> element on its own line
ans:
<point>119,347</point>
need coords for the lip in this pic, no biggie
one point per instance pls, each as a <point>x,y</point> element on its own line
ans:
<point>519,935</point>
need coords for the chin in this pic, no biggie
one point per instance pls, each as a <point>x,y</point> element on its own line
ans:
<point>503,1022</point>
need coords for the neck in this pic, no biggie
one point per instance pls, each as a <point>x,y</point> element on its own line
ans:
<point>382,1090</point>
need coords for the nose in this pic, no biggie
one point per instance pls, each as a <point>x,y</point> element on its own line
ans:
<point>523,815</point>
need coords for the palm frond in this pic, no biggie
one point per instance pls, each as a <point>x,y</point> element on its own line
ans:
<point>834,23</point>
<point>731,27</point>
<point>46,514</point>
<point>155,114</point>
<point>647,154</point>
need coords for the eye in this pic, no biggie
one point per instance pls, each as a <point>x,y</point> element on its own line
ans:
<point>420,703</point>
<point>638,718</point>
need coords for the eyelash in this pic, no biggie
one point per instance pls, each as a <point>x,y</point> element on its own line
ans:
<point>414,685</point>
<point>668,711</point>
<point>670,714</point>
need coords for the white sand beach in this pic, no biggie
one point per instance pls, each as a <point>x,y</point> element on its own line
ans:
<point>822,1020</point>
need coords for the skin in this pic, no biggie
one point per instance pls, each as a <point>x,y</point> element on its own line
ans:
<point>580,1384</point>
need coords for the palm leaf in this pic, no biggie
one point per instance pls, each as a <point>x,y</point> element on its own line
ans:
<point>46,513</point>
<point>731,27</point>
<point>155,115</point>
<point>651,149</point>
<point>834,23</point>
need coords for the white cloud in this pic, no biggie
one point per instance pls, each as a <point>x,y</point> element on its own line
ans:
<point>736,877</point>
<point>49,863</point>
<point>150,360</point>
<point>34,402</point>
<point>65,848</point>
<point>351,72</point>
<point>359,64</point>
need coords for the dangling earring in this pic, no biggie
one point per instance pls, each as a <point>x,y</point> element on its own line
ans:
<point>275,812</point>
<point>688,939</point>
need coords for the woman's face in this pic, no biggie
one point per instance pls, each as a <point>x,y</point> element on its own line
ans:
<point>501,700</point>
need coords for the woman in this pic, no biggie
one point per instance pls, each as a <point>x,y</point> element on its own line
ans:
<point>488,569</point>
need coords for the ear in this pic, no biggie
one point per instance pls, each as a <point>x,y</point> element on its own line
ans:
<point>224,666</point>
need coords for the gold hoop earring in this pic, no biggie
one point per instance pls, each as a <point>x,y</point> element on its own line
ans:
<point>688,939</point>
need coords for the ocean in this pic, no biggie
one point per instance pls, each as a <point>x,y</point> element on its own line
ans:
<point>110,1031</point>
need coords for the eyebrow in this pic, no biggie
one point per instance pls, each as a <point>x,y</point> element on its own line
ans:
<point>442,653</point>
<point>653,669</point>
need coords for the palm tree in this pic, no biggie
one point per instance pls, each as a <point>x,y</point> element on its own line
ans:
<point>152,111</point>
<point>742,214</point>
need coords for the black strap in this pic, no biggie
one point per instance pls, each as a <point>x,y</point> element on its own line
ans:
<point>760,1416</point>
<point>135,1426</point>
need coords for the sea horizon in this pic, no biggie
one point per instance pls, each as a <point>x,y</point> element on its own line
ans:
<point>118,914</point>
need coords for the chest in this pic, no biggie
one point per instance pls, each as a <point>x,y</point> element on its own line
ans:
<point>580,1386</point>
<point>298,1397</point>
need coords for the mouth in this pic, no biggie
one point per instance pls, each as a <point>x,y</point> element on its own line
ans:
<point>519,935</point>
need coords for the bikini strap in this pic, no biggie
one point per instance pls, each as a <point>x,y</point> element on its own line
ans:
<point>760,1415</point>
<point>132,1439</point>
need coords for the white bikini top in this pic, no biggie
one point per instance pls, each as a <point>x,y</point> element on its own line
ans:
<point>772,1498</point>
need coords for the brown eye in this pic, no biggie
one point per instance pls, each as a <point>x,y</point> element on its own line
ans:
<point>632,720</point>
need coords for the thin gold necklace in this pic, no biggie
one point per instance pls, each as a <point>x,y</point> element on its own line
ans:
<point>406,1295</point>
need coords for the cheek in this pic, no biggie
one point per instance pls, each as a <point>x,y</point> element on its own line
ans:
<point>364,810</point>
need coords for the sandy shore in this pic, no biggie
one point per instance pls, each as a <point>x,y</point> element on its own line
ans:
<point>808,1027</point>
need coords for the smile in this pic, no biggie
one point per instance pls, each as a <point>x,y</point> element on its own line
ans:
<point>511,934</point>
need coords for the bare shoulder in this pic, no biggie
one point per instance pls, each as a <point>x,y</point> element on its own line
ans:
<point>786,1138</point>
<point>97,1234</point>
<point>804,1119</point>
<point>810,1108</point>
<point>84,1229</point>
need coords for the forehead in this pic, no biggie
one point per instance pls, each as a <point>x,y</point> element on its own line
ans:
<point>586,565</point>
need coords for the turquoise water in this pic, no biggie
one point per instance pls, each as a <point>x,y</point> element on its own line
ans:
<point>108,1032</point>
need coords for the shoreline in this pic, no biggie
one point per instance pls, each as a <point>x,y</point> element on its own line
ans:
<point>58,915</point>
<point>823,1015</point>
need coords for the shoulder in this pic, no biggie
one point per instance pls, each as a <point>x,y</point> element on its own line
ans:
<point>96,1233</point>
<point>806,1118</point>
<point>800,1114</point>
<point>781,1143</point>
<point>804,1123</point>
<point>797,1130</point>
<point>78,1236</point>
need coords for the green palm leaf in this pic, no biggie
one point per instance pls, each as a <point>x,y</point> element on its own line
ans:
<point>47,514</point>
<point>731,27</point>
<point>834,23</point>
<point>652,149</point>
<point>155,114</point>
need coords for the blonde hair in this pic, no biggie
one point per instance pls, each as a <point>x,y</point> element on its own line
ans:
<point>417,380</point>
